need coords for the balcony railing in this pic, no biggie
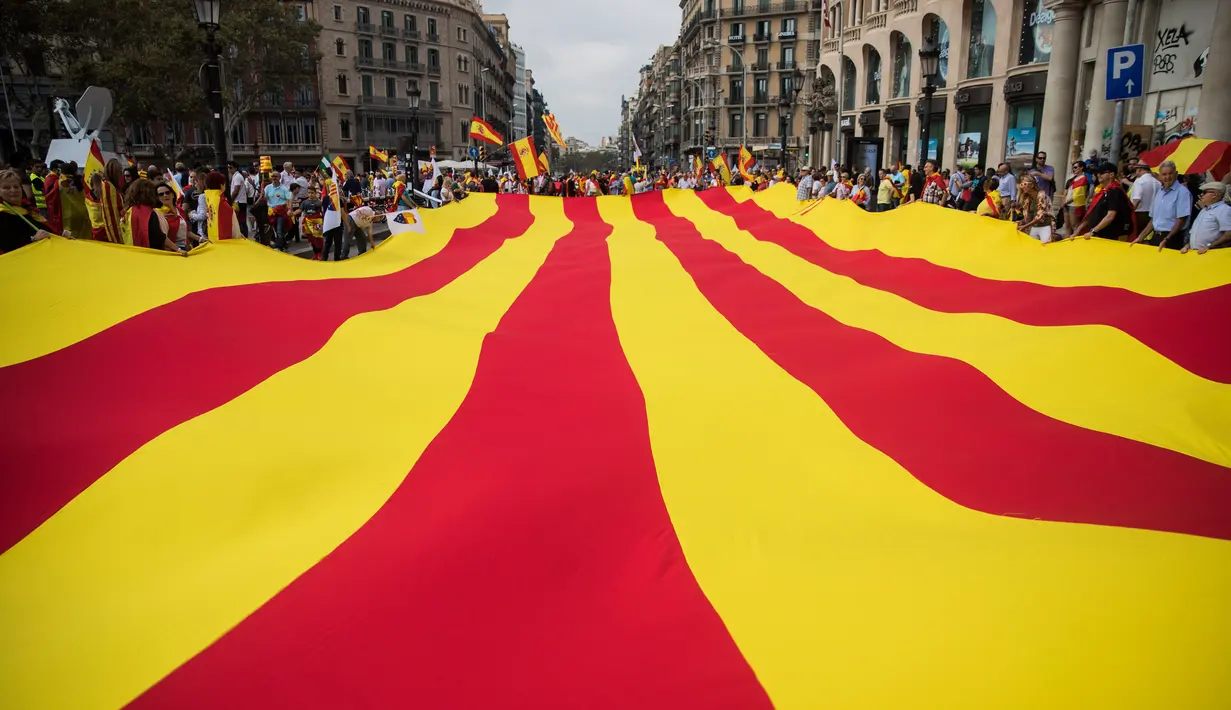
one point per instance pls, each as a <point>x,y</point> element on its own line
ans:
<point>877,21</point>
<point>735,69</point>
<point>760,38</point>
<point>829,45</point>
<point>411,34</point>
<point>389,30</point>
<point>758,67</point>
<point>851,34</point>
<point>433,37</point>
<point>734,101</point>
<point>786,34</point>
<point>786,65</point>
<point>735,39</point>
<point>366,27</point>
<point>381,101</point>
<point>365,62</point>
<point>435,105</point>
<point>433,69</point>
<point>281,148</point>
<point>905,7</point>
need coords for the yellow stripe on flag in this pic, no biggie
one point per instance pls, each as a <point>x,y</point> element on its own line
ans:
<point>100,294</point>
<point>1171,408</point>
<point>144,570</point>
<point>1005,256</point>
<point>821,554</point>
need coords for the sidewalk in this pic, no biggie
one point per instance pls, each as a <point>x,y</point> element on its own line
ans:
<point>304,250</point>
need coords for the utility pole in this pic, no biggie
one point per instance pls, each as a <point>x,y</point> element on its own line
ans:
<point>1117,125</point>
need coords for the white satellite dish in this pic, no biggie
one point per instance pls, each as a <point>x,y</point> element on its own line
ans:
<point>94,108</point>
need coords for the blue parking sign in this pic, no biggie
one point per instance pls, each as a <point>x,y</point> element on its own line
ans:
<point>1126,71</point>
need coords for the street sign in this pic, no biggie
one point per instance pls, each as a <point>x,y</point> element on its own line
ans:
<point>474,152</point>
<point>1126,70</point>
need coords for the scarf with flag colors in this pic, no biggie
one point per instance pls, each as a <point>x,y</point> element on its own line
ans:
<point>377,154</point>
<point>482,131</point>
<point>553,501</point>
<point>106,213</point>
<point>221,219</point>
<point>525,158</point>
<point>553,129</point>
<point>745,163</point>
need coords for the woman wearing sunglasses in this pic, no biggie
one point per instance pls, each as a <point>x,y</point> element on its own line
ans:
<point>177,221</point>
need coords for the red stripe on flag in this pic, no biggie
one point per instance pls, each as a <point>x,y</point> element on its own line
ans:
<point>1209,159</point>
<point>70,416</point>
<point>1176,327</point>
<point>527,560</point>
<point>1154,156</point>
<point>946,422</point>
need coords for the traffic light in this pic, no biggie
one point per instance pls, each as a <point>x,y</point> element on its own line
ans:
<point>482,154</point>
<point>709,138</point>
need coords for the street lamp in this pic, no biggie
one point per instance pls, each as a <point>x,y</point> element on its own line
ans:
<point>785,102</point>
<point>929,66</point>
<point>209,14</point>
<point>413,94</point>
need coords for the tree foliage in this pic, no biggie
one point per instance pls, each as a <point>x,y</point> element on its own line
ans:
<point>151,53</point>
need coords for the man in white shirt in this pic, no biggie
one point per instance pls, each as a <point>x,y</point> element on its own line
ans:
<point>1212,227</point>
<point>1008,183</point>
<point>239,196</point>
<point>288,174</point>
<point>1145,187</point>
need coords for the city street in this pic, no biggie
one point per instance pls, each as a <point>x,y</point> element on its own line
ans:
<point>304,249</point>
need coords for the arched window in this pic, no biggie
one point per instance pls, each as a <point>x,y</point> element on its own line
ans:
<point>872,87</point>
<point>343,89</point>
<point>901,66</point>
<point>982,48</point>
<point>1038,24</point>
<point>848,84</point>
<point>935,29</point>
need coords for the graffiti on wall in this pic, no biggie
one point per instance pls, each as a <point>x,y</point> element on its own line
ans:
<point>1133,142</point>
<point>1181,45</point>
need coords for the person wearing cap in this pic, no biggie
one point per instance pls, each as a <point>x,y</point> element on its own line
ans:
<point>1212,226</point>
<point>1110,213</point>
<point>1145,188</point>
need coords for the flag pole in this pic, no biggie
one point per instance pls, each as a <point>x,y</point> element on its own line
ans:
<point>837,129</point>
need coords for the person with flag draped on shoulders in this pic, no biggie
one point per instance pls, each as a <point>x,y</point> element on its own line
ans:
<point>20,224</point>
<point>935,190</point>
<point>104,202</point>
<point>146,225</point>
<point>51,198</point>
<point>992,204</point>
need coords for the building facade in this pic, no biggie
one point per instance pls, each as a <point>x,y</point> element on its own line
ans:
<point>1018,76</point>
<point>521,102</point>
<point>374,51</point>
<point>1015,76</point>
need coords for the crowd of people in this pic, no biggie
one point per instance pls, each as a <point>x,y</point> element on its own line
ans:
<point>169,211</point>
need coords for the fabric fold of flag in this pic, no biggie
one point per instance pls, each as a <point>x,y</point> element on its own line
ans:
<point>525,157</point>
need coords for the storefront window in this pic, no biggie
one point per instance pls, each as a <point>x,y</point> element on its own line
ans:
<point>936,139</point>
<point>1024,119</point>
<point>872,89</point>
<point>848,84</point>
<point>982,39</point>
<point>1038,24</point>
<point>901,66</point>
<point>938,32</point>
<point>972,130</point>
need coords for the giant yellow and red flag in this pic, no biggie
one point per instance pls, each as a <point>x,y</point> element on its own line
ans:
<point>683,450</point>
<point>1193,155</point>
<point>525,157</point>
<point>553,129</point>
<point>481,130</point>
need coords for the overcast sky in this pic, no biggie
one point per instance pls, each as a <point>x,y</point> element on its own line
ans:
<point>586,53</point>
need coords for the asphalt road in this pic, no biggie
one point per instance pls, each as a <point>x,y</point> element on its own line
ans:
<point>304,249</point>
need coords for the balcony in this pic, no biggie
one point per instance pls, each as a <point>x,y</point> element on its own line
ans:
<point>877,21</point>
<point>365,27</point>
<point>759,38</point>
<point>736,11</point>
<point>381,101</point>
<point>786,65</point>
<point>735,69</point>
<point>734,100</point>
<point>284,148</point>
<point>851,34</point>
<point>758,67</point>
<point>389,30</point>
<point>415,67</point>
<point>433,37</point>
<point>829,45</point>
<point>365,62</point>
<point>435,105</point>
<point>411,34</point>
<point>904,7</point>
<point>433,69</point>
<point>735,39</point>
<point>787,34</point>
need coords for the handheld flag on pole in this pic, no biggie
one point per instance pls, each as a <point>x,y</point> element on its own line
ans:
<point>553,128</point>
<point>482,130</point>
<point>175,185</point>
<point>267,164</point>
<point>525,158</point>
<point>339,164</point>
<point>377,154</point>
<point>544,167</point>
<point>94,163</point>
<point>746,161</point>
<point>324,165</point>
<point>697,167</point>
<point>720,164</point>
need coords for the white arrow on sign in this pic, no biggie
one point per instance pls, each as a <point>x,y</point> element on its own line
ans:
<point>1129,84</point>
<point>1122,61</point>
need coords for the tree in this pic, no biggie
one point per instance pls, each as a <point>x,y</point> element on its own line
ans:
<point>151,55</point>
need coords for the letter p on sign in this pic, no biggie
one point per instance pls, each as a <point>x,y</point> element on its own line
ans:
<point>1126,72</point>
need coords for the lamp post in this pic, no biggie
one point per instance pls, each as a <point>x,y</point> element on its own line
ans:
<point>785,102</point>
<point>929,66</point>
<point>413,94</point>
<point>209,13</point>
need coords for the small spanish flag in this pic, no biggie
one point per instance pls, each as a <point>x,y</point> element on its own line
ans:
<point>340,163</point>
<point>746,161</point>
<point>526,158</point>
<point>724,172</point>
<point>482,130</point>
<point>221,217</point>
<point>94,163</point>
<point>378,154</point>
